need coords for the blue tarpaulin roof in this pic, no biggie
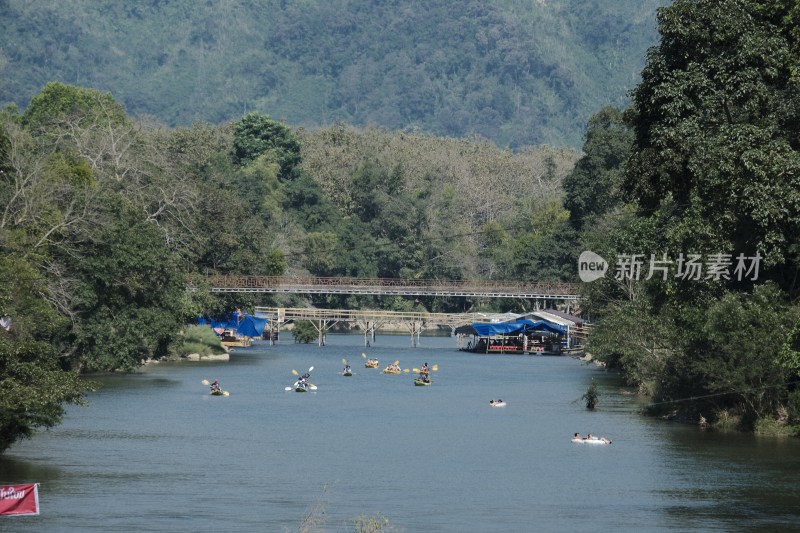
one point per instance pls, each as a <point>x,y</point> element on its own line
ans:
<point>244,323</point>
<point>251,326</point>
<point>487,329</point>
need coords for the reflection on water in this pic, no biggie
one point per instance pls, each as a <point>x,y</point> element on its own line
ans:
<point>154,451</point>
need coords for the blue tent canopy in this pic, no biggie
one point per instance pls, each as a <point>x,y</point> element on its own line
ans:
<point>244,323</point>
<point>517,327</point>
<point>251,326</point>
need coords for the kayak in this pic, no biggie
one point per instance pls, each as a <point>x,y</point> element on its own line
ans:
<point>390,371</point>
<point>593,440</point>
<point>216,393</point>
<point>495,403</point>
<point>420,383</point>
<point>302,388</point>
<point>347,373</point>
<point>371,365</point>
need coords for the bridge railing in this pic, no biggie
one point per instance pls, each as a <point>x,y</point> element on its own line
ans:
<point>341,284</point>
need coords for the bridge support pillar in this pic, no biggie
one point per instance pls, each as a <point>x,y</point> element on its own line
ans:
<point>416,329</point>
<point>322,327</point>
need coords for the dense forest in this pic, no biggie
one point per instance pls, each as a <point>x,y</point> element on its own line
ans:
<point>517,72</point>
<point>108,218</point>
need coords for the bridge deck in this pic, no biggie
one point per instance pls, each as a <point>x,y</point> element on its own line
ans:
<point>396,287</point>
<point>285,314</point>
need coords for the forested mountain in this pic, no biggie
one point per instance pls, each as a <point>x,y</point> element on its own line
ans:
<point>517,72</point>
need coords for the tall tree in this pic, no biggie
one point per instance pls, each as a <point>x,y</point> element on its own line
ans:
<point>714,169</point>
<point>131,294</point>
<point>594,185</point>
<point>256,135</point>
<point>717,131</point>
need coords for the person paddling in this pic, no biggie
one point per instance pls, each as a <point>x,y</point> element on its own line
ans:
<point>215,386</point>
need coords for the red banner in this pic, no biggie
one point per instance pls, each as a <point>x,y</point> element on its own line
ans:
<point>19,499</point>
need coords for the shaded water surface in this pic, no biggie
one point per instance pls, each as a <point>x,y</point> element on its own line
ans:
<point>155,452</point>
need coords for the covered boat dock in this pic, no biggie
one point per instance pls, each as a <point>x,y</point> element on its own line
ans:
<point>514,337</point>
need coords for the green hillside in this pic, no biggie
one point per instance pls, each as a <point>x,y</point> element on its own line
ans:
<point>517,72</point>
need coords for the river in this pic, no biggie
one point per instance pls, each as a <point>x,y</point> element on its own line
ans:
<point>153,451</point>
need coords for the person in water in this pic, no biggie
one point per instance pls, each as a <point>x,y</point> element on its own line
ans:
<point>215,386</point>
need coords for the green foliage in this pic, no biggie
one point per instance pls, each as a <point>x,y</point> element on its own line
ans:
<point>131,294</point>
<point>304,332</point>
<point>418,206</point>
<point>773,428</point>
<point>61,103</point>
<point>258,136</point>
<point>201,340</point>
<point>732,353</point>
<point>35,388</point>
<point>715,120</point>
<point>632,339</point>
<point>713,167</point>
<point>593,188</point>
<point>591,395</point>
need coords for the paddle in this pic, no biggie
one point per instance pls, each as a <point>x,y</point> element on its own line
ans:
<point>364,355</point>
<point>344,361</point>
<point>309,385</point>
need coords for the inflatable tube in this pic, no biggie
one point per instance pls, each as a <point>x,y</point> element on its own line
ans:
<point>593,440</point>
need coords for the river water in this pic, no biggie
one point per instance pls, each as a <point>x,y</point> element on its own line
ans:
<point>155,452</point>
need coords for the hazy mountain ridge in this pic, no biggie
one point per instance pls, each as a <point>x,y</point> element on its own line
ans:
<point>516,72</point>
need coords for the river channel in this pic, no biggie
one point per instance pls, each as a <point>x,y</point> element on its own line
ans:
<point>153,451</point>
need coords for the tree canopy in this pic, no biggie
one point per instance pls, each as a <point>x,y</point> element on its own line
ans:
<point>712,176</point>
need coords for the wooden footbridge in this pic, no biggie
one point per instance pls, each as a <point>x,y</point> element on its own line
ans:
<point>395,287</point>
<point>369,321</point>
